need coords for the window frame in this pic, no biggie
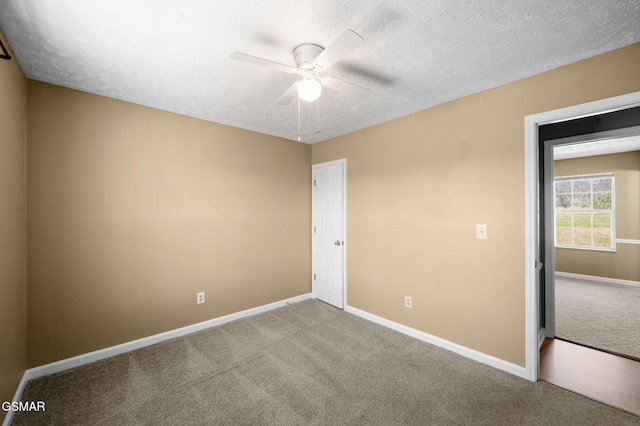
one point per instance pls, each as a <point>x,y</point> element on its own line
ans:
<point>592,211</point>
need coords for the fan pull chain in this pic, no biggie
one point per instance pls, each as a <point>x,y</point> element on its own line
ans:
<point>299,119</point>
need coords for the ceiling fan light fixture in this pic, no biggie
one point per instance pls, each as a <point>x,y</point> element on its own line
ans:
<point>309,90</point>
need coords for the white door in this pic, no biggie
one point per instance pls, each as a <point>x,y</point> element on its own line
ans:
<point>328,195</point>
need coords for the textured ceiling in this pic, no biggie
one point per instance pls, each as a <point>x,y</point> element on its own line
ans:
<point>599,147</point>
<point>174,55</point>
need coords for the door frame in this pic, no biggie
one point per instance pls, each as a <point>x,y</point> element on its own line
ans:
<point>533,331</point>
<point>343,162</point>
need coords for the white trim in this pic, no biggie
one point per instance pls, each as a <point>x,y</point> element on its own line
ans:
<point>76,361</point>
<point>540,338</point>
<point>589,248</point>
<point>599,279</point>
<point>344,231</point>
<point>585,176</point>
<point>600,143</point>
<point>531,181</point>
<point>625,241</point>
<point>445,344</point>
<point>342,161</point>
<point>532,322</point>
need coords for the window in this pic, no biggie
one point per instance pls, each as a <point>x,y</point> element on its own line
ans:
<point>584,212</point>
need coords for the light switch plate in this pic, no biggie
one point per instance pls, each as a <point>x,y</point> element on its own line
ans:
<point>481,231</point>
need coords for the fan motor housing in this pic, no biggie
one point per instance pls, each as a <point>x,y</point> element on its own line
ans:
<point>305,55</point>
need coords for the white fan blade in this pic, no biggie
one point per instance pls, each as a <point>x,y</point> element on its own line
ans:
<point>263,62</point>
<point>341,47</point>
<point>343,86</point>
<point>289,95</point>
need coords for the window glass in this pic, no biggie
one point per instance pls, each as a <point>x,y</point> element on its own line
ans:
<point>584,212</point>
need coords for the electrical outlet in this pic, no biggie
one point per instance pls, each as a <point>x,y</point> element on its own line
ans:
<point>408,302</point>
<point>200,297</point>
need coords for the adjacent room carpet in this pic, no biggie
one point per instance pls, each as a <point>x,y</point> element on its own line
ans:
<point>304,364</point>
<point>599,315</point>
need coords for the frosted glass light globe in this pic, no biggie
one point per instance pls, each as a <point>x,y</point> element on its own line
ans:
<point>309,90</point>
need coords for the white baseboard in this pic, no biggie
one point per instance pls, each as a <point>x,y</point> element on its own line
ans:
<point>76,361</point>
<point>600,279</point>
<point>445,344</point>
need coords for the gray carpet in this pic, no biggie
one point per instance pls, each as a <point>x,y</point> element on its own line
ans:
<point>599,315</point>
<point>305,364</point>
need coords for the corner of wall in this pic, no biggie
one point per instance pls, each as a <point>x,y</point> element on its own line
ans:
<point>13,283</point>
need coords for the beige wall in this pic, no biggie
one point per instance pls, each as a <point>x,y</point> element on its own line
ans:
<point>622,264</point>
<point>418,185</point>
<point>13,284</point>
<point>133,210</point>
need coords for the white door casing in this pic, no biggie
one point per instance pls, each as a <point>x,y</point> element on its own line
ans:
<point>328,232</point>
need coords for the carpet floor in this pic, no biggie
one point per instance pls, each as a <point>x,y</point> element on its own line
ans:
<point>304,364</point>
<point>599,315</point>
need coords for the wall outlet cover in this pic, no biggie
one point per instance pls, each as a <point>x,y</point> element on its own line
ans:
<point>408,302</point>
<point>481,231</point>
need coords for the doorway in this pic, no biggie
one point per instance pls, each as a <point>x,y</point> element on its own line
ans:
<point>540,260</point>
<point>535,270</point>
<point>592,234</point>
<point>328,232</point>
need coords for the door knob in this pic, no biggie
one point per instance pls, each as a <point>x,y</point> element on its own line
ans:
<point>337,243</point>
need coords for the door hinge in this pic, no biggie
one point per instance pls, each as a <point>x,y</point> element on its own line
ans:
<point>314,277</point>
<point>314,229</point>
<point>314,182</point>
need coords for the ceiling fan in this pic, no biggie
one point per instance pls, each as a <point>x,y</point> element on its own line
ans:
<point>311,61</point>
